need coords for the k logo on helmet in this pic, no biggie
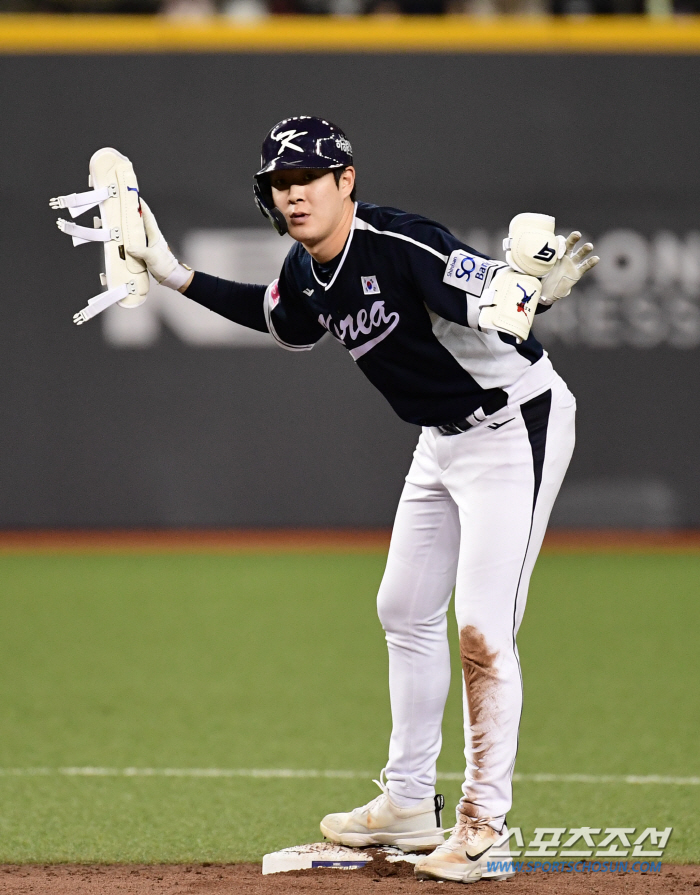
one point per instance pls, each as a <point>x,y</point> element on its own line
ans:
<point>285,140</point>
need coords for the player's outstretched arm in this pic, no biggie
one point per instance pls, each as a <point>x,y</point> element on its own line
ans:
<point>568,270</point>
<point>238,302</point>
<point>160,261</point>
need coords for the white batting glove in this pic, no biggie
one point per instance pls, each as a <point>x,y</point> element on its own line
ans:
<point>160,261</point>
<point>568,270</point>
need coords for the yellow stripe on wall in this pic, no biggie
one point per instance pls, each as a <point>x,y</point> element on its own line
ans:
<point>450,34</point>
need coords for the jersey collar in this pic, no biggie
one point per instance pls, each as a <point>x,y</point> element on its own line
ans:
<point>327,286</point>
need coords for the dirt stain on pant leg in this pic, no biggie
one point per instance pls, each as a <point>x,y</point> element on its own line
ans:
<point>481,682</point>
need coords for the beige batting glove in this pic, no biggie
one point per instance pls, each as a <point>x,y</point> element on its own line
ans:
<point>568,270</point>
<point>160,261</point>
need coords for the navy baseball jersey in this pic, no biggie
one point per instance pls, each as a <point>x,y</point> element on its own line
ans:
<point>403,298</point>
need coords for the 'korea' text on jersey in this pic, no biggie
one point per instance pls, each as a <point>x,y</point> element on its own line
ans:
<point>411,327</point>
<point>403,297</point>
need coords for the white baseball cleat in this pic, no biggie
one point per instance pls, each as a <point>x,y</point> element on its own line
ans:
<point>381,822</point>
<point>465,857</point>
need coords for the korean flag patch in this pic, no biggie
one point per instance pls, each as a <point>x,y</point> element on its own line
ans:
<point>370,286</point>
<point>469,272</point>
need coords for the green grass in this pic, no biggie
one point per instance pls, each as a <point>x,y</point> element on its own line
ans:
<point>278,661</point>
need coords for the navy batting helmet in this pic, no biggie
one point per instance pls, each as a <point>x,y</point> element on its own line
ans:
<point>299,142</point>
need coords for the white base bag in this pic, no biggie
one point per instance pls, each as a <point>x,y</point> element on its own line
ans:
<point>119,228</point>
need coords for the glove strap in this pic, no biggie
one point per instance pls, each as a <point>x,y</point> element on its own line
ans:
<point>101,302</point>
<point>78,203</point>
<point>178,277</point>
<point>82,235</point>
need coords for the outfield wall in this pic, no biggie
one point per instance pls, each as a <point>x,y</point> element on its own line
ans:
<point>169,416</point>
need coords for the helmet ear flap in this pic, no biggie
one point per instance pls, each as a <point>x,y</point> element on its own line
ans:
<point>263,199</point>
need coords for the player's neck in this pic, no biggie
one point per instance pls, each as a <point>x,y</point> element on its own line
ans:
<point>327,248</point>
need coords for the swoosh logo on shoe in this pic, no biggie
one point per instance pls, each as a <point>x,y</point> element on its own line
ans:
<point>480,855</point>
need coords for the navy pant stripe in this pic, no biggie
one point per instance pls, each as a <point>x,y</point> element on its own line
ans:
<point>536,417</point>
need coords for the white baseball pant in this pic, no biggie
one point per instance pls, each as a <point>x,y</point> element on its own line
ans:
<point>472,517</point>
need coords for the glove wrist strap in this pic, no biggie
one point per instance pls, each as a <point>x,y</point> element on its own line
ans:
<point>178,278</point>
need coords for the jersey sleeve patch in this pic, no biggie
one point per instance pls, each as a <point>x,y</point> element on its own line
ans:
<point>469,272</point>
<point>273,296</point>
<point>287,320</point>
<point>275,319</point>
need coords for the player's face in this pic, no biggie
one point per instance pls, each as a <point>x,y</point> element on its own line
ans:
<point>312,203</point>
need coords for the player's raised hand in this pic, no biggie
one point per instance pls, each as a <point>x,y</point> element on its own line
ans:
<point>157,255</point>
<point>160,261</point>
<point>568,270</point>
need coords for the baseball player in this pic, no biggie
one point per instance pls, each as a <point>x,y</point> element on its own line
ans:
<point>444,333</point>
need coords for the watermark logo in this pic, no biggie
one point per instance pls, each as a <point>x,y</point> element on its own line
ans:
<point>614,850</point>
<point>497,868</point>
<point>615,842</point>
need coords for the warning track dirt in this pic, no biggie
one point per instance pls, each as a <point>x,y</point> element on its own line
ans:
<point>313,540</point>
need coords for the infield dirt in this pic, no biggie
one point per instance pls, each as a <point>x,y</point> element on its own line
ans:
<point>381,878</point>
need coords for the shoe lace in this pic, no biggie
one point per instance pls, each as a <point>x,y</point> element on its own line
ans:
<point>381,783</point>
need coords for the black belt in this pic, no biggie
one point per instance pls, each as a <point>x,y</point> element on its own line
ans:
<point>455,428</point>
<point>491,405</point>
